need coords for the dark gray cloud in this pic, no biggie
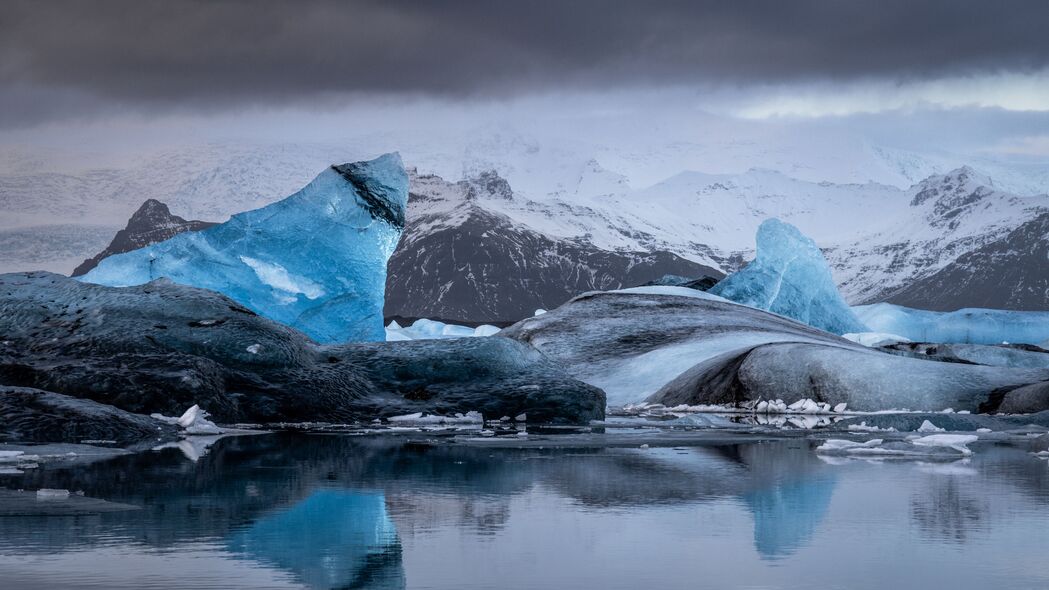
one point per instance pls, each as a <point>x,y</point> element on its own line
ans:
<point>55,55</point>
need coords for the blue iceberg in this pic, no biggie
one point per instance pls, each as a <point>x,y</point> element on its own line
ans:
<point>789,276</point>
<point>332,539</point>
<point>967,326</point>
<point>315,261</point>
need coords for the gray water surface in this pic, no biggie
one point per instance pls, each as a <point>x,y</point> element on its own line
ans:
<point>291,510</point>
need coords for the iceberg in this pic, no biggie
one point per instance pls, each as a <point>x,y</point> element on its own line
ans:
<point>164,347</point>
<point>964,326</point>
<point>632,342</point>
<point>790,277</point>
<point>315,261</point>
<point>865,379</point>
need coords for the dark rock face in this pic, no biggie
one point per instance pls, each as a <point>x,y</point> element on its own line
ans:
<point>152,223</point>
<point>162,347</point>
<point>484,268</point>
<point>31,415</point>
<point>1007,273</point>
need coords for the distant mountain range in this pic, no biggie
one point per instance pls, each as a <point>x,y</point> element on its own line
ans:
<point>475,251</point>
<point>530,226</point>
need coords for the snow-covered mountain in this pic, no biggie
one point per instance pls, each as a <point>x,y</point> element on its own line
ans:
<point>462,258</point>
<point>587,216</point>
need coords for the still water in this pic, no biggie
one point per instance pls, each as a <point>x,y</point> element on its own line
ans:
<point>300,510</point>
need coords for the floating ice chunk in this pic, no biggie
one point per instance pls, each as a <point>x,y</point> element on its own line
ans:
<point>344,226</point>
<point>984,430</point>
<point>930,427</point>
<point>539,312</point>
<point>932,445</point>
<point>789,276</point>
<point>254,348</point>
<point>195,421</point>
<point>11,456</point>
<point>957,442</point>
<point>874,339</point>
<point>842,446</point>
<point>969,326</point>
<point>420,418</point>
<point>862,427</point>
<point>51,494</point>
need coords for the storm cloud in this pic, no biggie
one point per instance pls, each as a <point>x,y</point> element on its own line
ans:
<point>70,55</point>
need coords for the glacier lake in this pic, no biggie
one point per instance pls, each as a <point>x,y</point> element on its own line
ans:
<point>627,508</point>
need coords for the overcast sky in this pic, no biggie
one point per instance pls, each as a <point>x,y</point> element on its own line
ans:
<point>968,68</point>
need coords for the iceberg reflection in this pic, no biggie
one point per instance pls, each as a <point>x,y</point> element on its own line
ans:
<point>332,539</point>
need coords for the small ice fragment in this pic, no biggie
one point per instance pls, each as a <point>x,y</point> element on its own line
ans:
<point>930,427</point>
<point>254,348</point>
<point>51,494</point>
<point>984,430</point>
<point>485,330</point>
<point>644,446</point>
<point>539,312</point>
<point>521,418</point>
<point>837,445</point>
<point>195,421</point>
<point>951,441</point>
<point>840,408</point>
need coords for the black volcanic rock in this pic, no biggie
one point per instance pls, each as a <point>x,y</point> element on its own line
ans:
<point>152,223</point>
<point>162,347</point>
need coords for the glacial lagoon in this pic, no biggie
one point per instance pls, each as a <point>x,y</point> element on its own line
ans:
<point>628,507</point>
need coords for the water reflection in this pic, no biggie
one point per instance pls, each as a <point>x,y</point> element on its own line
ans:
<point>949,509</point>
<point>332,539</point>
<point>324,511</point>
